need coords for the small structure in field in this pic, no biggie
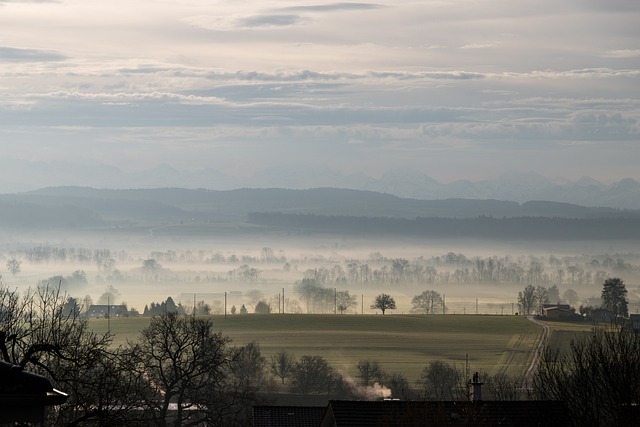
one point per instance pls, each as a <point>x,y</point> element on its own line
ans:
<point>100,311</point>
<point>558,311</point>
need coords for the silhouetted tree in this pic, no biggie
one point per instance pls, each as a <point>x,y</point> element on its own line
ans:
<point>312,375</point>
<point>262,308</point>
<point>368,371</point>
<point>598,378</point>
<point>195,369</point>
<point>281,364</point>
<point>439,381</point>
<point>383,302</point>
<point>614,297</point>
<point>527,299</point>
<point>345,301</point>
<point>427,302</point>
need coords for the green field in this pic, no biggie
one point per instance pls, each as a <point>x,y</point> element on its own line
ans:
<point>401,343</point>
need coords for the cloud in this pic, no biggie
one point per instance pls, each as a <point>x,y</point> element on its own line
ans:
<point>12,54</point>
<point>622,53</point>
<point>271,21</point>
<point>331,7</point>
<point>29,1</point>
<point>478,46</point>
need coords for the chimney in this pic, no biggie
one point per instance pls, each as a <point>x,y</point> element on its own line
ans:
<point>475,389</point>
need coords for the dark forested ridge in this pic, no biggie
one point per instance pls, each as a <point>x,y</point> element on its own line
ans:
<point>483,227</point>
<point>316,209</point>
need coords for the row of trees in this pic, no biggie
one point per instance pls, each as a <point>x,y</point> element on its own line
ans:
<point>449,268</point>
<point>437,381</point>
<point>494,270</point>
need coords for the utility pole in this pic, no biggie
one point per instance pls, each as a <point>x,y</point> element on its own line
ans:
<point>225,304</point>
<point>109,313</point>
<point>283,300</point>
<point>444,305</point>
<point>335,301</point>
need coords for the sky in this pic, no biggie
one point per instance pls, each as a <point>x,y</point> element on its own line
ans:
<point>455,89</point>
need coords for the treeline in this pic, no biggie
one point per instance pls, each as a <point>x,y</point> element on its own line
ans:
<point>456,268</point>
<point>482,227</point>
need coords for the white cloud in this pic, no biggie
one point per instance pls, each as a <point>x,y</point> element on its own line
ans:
<point>623,53</point>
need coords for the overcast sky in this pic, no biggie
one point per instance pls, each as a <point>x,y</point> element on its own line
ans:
<point>457,89</point>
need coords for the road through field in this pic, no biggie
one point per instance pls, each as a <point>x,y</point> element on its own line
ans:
<point>537,352</point>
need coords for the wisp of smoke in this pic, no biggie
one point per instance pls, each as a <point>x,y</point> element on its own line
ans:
<point>372,392</point>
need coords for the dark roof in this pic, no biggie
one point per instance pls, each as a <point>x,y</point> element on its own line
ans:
<point>561,306</point>
<point>23,395</point>
<point>287,416</point>
<point>424,414</point>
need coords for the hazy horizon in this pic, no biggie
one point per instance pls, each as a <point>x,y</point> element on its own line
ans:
<point>456,90</point>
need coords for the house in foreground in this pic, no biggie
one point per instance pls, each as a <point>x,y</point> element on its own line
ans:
<point>25,396</point>
<point>396,413</point>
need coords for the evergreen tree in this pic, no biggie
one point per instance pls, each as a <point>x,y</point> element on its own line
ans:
<point>614,297</point>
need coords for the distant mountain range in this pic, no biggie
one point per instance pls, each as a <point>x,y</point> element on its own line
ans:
<point>84,207</point>
<point>517,187</point>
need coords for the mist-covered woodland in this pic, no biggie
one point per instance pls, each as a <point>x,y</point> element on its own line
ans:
<point>470,281</point>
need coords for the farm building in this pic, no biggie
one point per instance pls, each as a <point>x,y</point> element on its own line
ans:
<point>99,311</point>
<point>557,311</point>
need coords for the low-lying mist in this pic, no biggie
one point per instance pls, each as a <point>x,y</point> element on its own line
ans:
<point>471,276</point>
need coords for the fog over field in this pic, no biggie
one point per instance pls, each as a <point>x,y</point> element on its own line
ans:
<point>210,266</point>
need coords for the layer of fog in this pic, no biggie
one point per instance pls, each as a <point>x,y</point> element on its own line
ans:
<point>203,280</point>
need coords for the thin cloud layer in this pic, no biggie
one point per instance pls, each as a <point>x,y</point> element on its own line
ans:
<point>12,54</point>
<point>455,89</point>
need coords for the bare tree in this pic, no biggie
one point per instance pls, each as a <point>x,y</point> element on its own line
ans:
<point>41,332</point>
<point>527,299</point>
<point>439,381</point>
<point>281,364</point>
<point>598,378</point>
<point>542,298</point>
<point>194,369</point>
<point>313,375</point>
<point>345,301</point>
<point>427,302</point>
<point>399,386</point>
<point>13,266</point>
<point>503,387</point>
<point>368,371</point>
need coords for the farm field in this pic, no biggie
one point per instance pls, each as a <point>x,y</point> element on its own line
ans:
<point>401,343</point>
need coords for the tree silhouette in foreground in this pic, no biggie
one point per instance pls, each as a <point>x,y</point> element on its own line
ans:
<point>598,378</point>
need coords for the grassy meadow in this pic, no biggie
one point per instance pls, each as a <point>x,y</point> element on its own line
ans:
<point>401,343</point>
